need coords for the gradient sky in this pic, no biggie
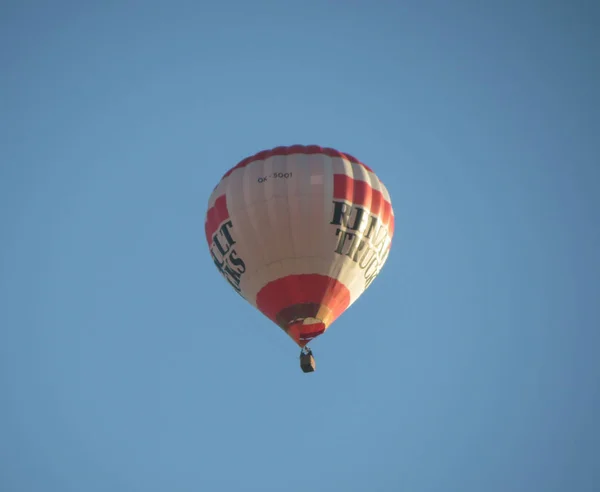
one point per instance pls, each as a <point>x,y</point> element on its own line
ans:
<point>128,364</point>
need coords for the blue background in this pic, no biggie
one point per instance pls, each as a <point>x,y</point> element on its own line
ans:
<point>128,364</point>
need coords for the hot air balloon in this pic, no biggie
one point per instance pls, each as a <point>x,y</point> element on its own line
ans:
<point>300,232</point>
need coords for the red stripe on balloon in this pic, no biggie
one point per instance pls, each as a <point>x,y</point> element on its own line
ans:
<point>304,289</point>
<point>391,226</point>
<point>215,216</point>
<point>296,149</point>
<point>361,193</point>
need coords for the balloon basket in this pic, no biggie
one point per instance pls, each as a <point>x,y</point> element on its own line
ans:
<point>307,362</point>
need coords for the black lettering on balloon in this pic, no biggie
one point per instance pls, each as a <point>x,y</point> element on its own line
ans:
<point>238,262</point>
<point>344,236</point>
<point>225,257</point>
<point>225,231</point>
<point>373,221</point>
<point>358,219</point>
<point>341,213</point>
<point>362,237</point>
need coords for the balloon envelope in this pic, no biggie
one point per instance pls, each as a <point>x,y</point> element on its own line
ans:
<point>300,232</point>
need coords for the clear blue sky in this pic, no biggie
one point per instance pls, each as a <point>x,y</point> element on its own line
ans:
<point>128,364</point>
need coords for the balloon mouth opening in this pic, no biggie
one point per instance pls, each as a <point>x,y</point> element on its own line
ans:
<point>305,330</point>
<point>304,321</point>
